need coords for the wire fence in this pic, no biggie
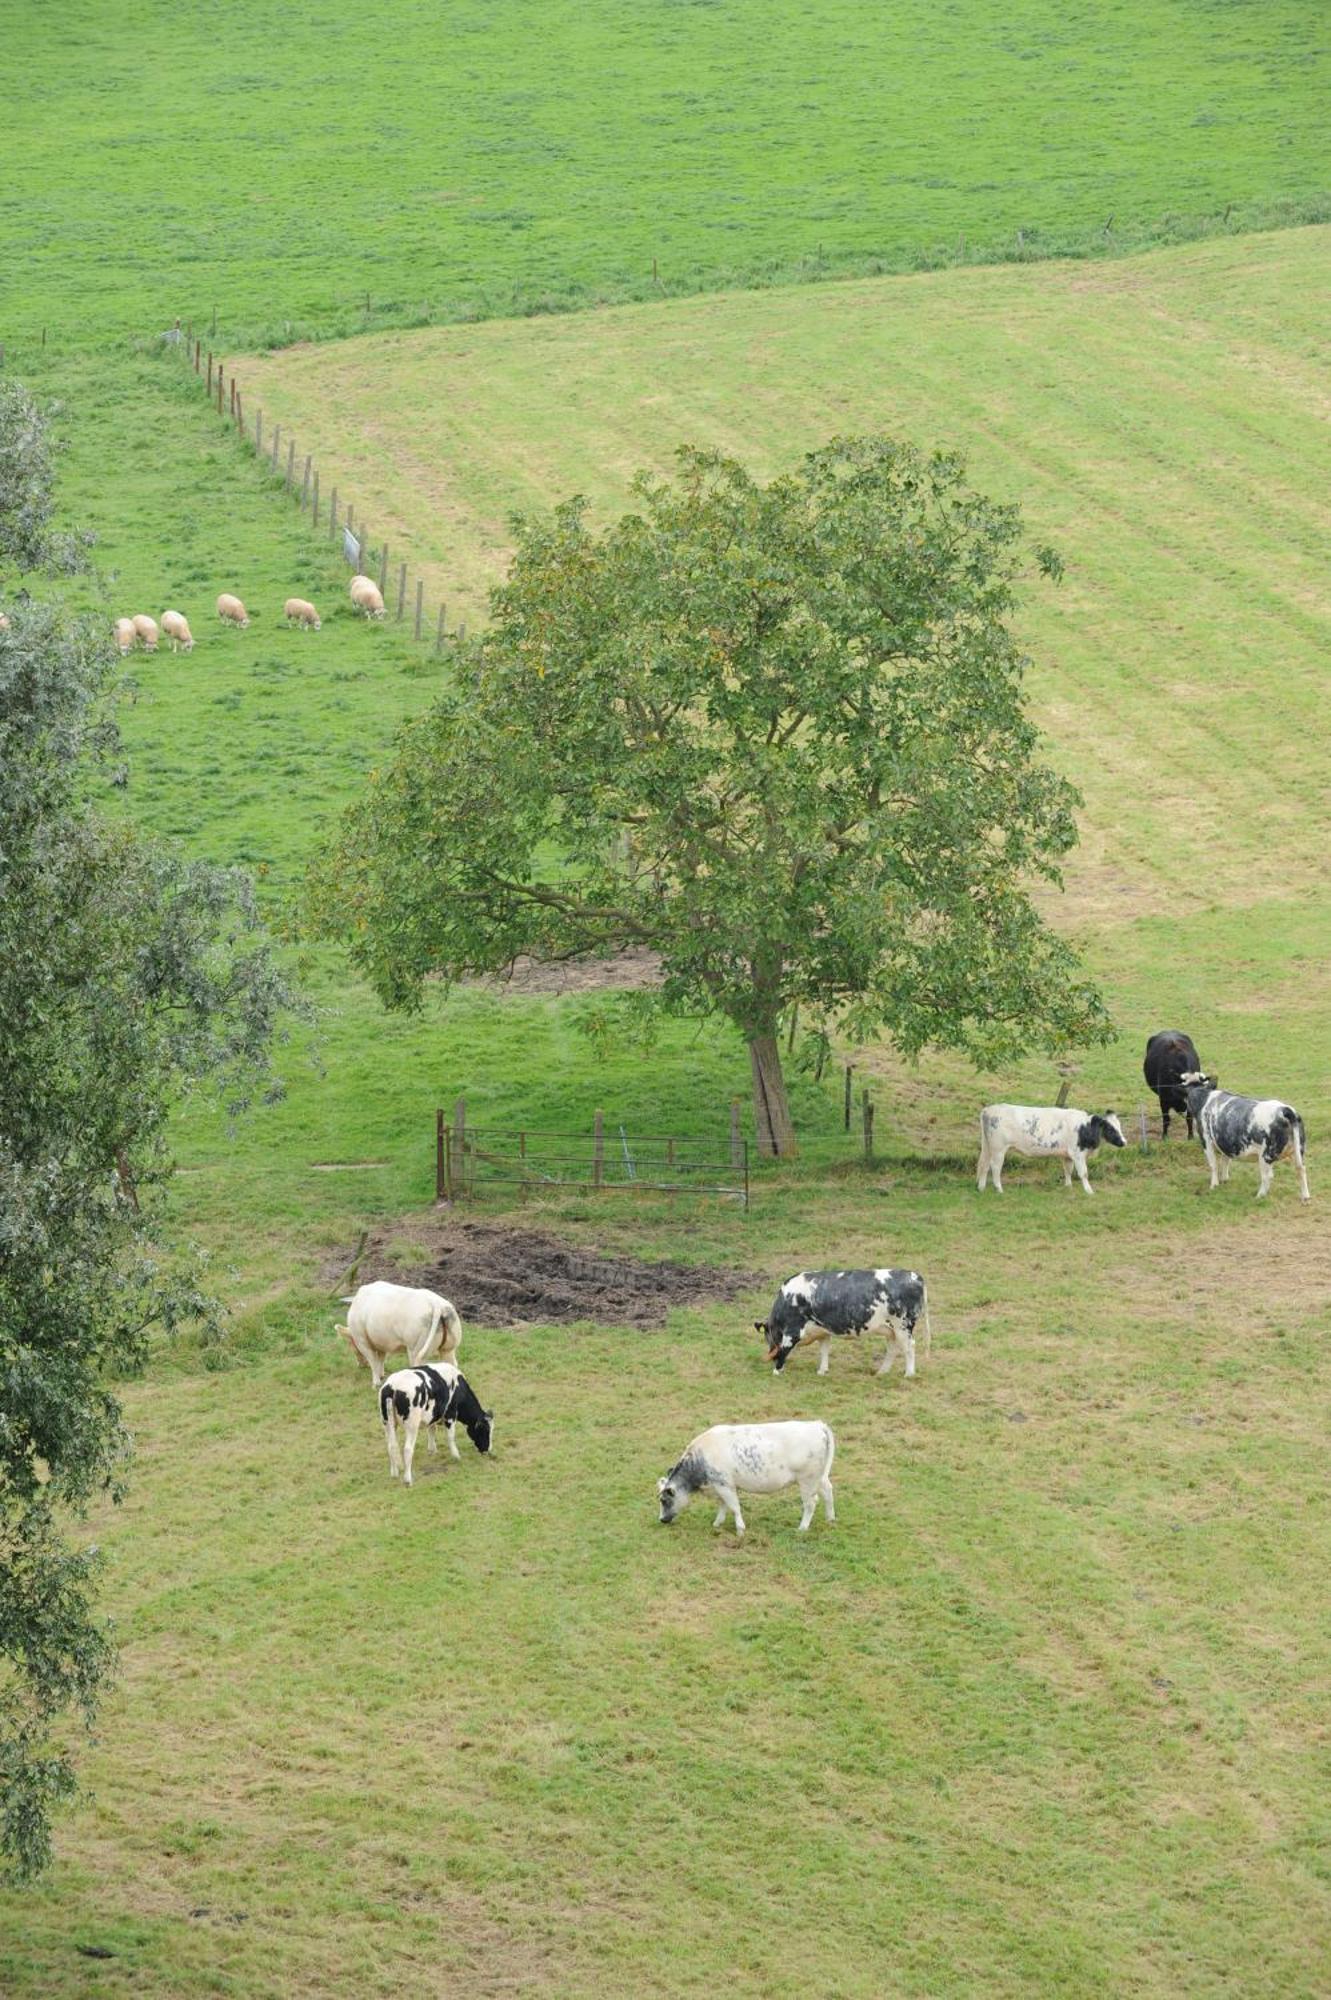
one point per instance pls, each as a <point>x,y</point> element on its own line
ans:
<point>473,1160</point>
<point>334,514</point>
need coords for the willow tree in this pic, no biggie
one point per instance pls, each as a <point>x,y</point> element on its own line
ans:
<point>776,733</point>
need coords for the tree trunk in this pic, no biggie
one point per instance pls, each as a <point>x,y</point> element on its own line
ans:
<point>771,1107</point>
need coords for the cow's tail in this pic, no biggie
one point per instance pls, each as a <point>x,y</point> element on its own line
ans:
<point>1298,1140</point>
<point>385,1401</point>
<point>831,1451</point>
<point>452,1330</point>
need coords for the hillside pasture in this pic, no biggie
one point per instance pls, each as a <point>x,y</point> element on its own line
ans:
<point>320,167</point>
<point>1045,1710</point>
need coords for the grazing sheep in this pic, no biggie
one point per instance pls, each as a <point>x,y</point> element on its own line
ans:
<point>146,631</point>
<point>4,622</point>
<point>125,634</point>
<point>231,611</point>
<point>365,596</point>
<point>176,627</point>
<point>298,611</point>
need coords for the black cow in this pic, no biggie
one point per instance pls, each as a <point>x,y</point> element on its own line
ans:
<point>814,1305</point>
<point>1170,1056</point>
<point>1231,1126</point>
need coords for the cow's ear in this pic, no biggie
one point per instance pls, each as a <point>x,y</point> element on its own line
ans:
<point>760,1326</point>
<point>661,1485</point>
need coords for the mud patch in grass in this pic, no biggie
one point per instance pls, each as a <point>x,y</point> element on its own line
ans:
<point>497,1276</point>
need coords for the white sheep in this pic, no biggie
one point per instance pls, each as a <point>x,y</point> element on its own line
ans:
<point>125,634</point>
<point>146,631</point>
<point>365,596</point>
<point>176,627</point>
<point>4,622</point>
<point>231,611</point>
<point>298,611</point>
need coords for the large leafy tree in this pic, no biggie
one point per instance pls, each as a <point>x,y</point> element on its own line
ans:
<point>775,732</point>
<point>126,978</point>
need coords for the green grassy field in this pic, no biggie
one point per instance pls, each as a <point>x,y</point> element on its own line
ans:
<point>1045,1711</point>
<point>285,164</point>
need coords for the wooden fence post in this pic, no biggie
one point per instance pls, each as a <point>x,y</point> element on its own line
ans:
<point>305,482</point>
<point>458,1159</point>
<point>439,635</point>
<point>383,568</point>
<point>440,1165</point>
<point>277,439</point>
<point>598,1150</point>
<point>420,604</point>
<point>240,414</point>
<point>849,1070</point>
<point>258,430</point>
<point>210,376</point>
<point>221,373</point>
<point>401,591</point>
<point>233,395</point>
<point>736,1143</point>
<point>866,1109</point>
<point>291,463</point>
<point>332,517</point>
<point>314,505</point>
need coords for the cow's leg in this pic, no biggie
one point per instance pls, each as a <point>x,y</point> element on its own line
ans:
<point>1212,1161</point>
<point>1067,1172</point>
<point>809,1496</point>
<point>1079,1162</point>
<point>452,1440</point>
<point>982,1165</point>
<point>412,1425</point>
<point>430,1444</point>
<point>889,1352</point>
<point>824,1352</point>
<point>390,1432</point>
<point>1266,1173</point>
<point>997,1155</point>
<point>729,1500</point>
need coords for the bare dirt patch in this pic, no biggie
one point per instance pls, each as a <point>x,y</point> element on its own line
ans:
<point>497,1276</point>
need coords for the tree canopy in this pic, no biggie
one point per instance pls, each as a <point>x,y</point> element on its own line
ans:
<point>127,976</point>
<point>778,733</point>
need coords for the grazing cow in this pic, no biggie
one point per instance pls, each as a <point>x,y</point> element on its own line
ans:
<point>1170,1055</point>
<point>1069,1136</point>
<point>431,1395</point>
<point>814,1305</point>
<point>731,1459</point>
<point>1231,1127</point>
<point>384,1317</point>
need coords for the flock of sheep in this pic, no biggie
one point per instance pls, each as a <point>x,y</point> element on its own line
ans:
<point>143,631</point>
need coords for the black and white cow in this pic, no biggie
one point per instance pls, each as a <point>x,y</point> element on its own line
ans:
<point>814,1305</point>
<point>434,1394</point>
<point>1054,1130</point>
<point>1170,1056</point>
<point>1231,1127</point>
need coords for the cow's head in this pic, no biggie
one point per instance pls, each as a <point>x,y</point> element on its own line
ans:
<point>1108,1127</point>
<point>345,1332</point>
<point>481,1429</point>
<point>780,1346</point>
<point>1198,1086</point>
<point>673,1502</point>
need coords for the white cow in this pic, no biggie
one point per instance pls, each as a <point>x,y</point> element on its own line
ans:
<point>1052,1131</point>
<point>385,1317</point>
<point>731,1459</point>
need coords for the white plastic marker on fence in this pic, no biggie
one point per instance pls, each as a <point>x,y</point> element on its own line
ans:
<point>351,548</point>
<point>628,1157</point>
